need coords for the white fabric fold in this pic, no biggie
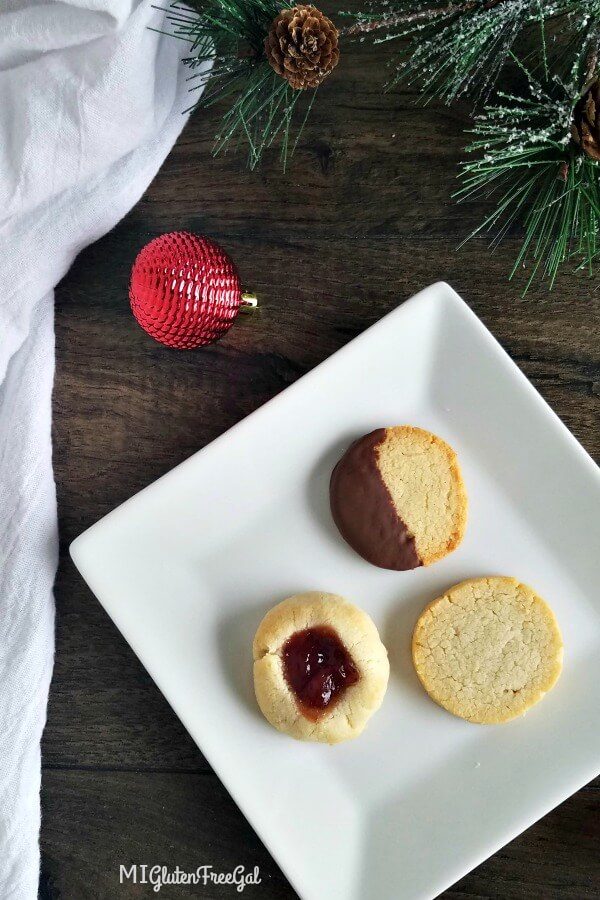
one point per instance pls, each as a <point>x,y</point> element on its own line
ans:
<point>91,101</point>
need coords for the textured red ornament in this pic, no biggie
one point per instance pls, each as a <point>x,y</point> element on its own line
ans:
<point>184,290</point>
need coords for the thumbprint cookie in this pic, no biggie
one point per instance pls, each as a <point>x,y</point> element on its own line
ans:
<point>320,669</point>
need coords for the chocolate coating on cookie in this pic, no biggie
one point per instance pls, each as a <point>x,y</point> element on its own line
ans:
<point>363,509</point>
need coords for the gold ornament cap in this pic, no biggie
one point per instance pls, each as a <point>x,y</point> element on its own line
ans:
<point>249,303</point>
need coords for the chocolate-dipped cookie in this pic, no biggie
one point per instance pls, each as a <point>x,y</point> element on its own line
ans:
<point>320,669</point>
<point>488,650</point>
<point>398,498</point>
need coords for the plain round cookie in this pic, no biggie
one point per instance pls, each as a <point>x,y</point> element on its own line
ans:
<point>398,498</point>
<point>488,650</point>
<point>347,716</point>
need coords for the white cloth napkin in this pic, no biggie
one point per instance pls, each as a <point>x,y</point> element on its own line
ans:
<point>91,102</point>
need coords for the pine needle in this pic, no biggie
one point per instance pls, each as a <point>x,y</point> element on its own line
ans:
<point>525,158</point>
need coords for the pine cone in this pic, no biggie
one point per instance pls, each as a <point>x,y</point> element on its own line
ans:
<point>302,46</point>
<point>585,129</point>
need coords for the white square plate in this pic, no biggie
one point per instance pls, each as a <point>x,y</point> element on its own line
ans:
<point>188,567</point>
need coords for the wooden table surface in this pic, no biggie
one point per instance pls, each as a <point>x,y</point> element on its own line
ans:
<point>362,219</point>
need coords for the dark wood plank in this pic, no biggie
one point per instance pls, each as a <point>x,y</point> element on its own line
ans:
<point>362,218</point>
<point>96,821</point>
<point>147,819</point>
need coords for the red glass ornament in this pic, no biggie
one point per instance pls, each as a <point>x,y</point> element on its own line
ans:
<point>184,290</point>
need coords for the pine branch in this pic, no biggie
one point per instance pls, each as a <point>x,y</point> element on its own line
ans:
<point>228,61</point>
<point>459,48</point>
<point>537,154</point>
<point>418,17</point>
<point>527,159</point>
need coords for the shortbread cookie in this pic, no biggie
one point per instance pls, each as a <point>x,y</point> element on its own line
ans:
<point>398,498</point>
<point>488,650</point>
<point>320,669</point>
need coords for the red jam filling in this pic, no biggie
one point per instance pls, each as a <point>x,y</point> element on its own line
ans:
<point>318,669</point>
